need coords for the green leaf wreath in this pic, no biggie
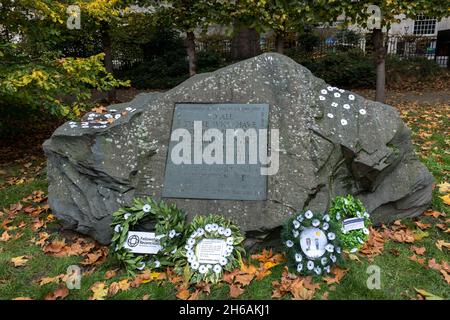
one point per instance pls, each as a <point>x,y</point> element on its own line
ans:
<point>298,260</point>
<point>209,227</point>
<point>168,221</point>
<point>348,207</point>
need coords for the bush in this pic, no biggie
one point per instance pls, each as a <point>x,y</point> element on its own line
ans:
<point>416,69</point>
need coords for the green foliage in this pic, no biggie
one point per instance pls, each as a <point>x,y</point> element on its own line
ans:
<point>167,220</point>
<point>349,207</point>
<point>416,68</point>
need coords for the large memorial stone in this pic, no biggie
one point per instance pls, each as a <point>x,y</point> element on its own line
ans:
<point>332,142</point>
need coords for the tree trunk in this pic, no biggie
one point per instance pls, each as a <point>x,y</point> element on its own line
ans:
<point>245,44</point>
<point>107,49</point>
<point>380,59</point>
<point>279,43</point>
<point>190,49</point>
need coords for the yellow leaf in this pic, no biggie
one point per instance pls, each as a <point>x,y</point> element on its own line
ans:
<point>19,261</point>
<point>100,291</point>
<point>427,295</point>
<point>444,187</point>
<point>442,243</point>
<point>446,199</point>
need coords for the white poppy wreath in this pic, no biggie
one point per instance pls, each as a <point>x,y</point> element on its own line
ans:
<point>169,225</point>
<point>222,234</point>
<point>312,244</point>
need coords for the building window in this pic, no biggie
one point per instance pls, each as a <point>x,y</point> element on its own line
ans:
<point>425,25</point>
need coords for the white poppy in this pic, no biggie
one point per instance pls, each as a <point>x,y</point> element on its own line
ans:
<point>354,250</point>
<point>298,257</point>
<point>223,261</point>
<point>323,261</point>
<point>299,267</point>
<point>351,97</point>
<point>358,214</point>
<point>188,247</point>
<point>338,216</point>
<point>309,214</point>
<point>346,106</point>
<point>127,215</point>
<point>295,233</point>
<point>195,265</point>
<point>330,115</point>
<point>229,248</point>
<point>327,269</point>
<point>329,247</point>
<point>172,233</point>
<point>366,214</point>
<point>330,88</point>
<point>337,94</point>
<point>191,259</point>
<point>289,244</point>
<point>117,116</point>
<point>321,98</point>
<point>334,104</point>
<point>200,232</point>
<point>333,258</point>
<point>217,268</point>
<point>230,241</point>
<point>344,122</point>
<point>318,270</point>
<point>323,91</point>
<point>310,265</point>
<point>338,249</point>
<point>365,231</point>
<point>128,108</point>
<point>300,218</point>
<point>118,228</point>
<point>315,223</point>
<point>221,230</point>
<point>331,236</point>
<point>326,218</point>
<point>202,269</point>
<point>214,227</point>
<point>146,208</point>
<point>296,224</point>
<point>141,265</point>
<point>208,228</point>
<point>190,253</point>
<point>157,264</point>
<point>227,232</point>
<point>325,226</point>
<point>362,111</point>
<point>341,90</point>
<point>191,241</point>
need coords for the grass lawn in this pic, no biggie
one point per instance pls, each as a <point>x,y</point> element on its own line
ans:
<point>21,230</point>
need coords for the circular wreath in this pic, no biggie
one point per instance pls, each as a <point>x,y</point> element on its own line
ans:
<point>210,227</point>
<point>312,244</point>
<point>168,222</point>
<point>348,207</point>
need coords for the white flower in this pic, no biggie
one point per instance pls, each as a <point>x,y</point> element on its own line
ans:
<point>354,250</point>
<point>208,228</point>
<point>173,251</point>
<point>344,122</point>
<point>326,218</point>
<point>172,233</point>
<point>296,224</point>
<point>221,230</point>
<point>323,91</point>
<point>338,216</point>
<point>315,222</point>
<point>327,269</point>
<point>321,98</point>
<point>346,106</point>
<point>295,233</point>
<point>325,226</point>
<point>118,228</point>
<point>289,244</point>
<point>116,248</point>
<point>351,97</point>
<point>365,231</point>
<point>333,258</point>
<point>338,249</point>
<point>191,259</point>
<point>330,115</point>
<point>298,257</point>
<point>190,253</point>
<point>360,240</point>
<point>214,227</point>
<point>193,235</point>
<point>323,261</point>
<point>341,90</point>
<point>299,267</point>
<point>329,247</point>
<point>310,265</point>
<point>334,104</point>
<point>227,232</point>
<point>337,95</point>
<point>191,242</point>
<point>146,208</point>
<point>141,265</point>
<point>309,214</point>
<point>229,248</point>
<point>200,232</point>
<point>217,268</point>
<point>230,241</point>
<point>195,265</point>
<point>358,214</point>
<point>223,261</point>
<point>331,236</point>
<point>330,88</point>
<point>300,218</point>
<point>203,269</point>
<point>362,111</point>
<point>318,270</point>
<point>157,264</point>
<point>188,247</point>
<point>366,215</point>
<point>127,215</point>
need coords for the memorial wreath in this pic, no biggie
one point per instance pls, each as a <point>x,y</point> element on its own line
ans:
<point>349,211</point>
<point>169,227</point>
<point>213,245</point>
<point>313,246</point>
